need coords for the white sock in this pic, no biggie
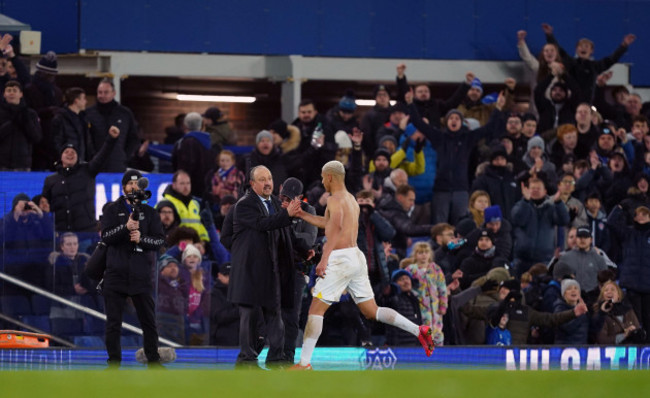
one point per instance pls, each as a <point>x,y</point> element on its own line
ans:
<point>312,332</point>
<point>392,317</point>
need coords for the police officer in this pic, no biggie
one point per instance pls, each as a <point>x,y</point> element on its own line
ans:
<point>132,243</point>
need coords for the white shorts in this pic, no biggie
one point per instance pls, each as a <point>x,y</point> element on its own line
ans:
<point>346,270</point>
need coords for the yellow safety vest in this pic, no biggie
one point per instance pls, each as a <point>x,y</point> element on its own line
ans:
<point>189,215</point>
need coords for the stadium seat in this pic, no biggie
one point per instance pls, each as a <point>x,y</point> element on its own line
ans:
<point>88,341</point>
<point>131,341</point>
<point>94,326</point>
<point>41,322</point>
<point>67,326</point>
<point>16,305</point>
<point>40,305</point>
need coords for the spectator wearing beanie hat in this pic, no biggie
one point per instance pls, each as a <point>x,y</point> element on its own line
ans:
<point>219,129</point>
<point>71,189</point>
<point>285,137</point>
<point>559,107</point>
<point>341,116</point>
<point>131,248</point>
<point>381,163</point>
<point>474,108</point>
<point>268,155</point>
<point>575,331</point>
<point>45,97</point>
<point>454,146</point>
<point>497,179</point>
<point>537,162</point>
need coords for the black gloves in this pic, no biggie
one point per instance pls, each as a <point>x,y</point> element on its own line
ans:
<point>489,285</point>
<point>419,145</point>
<point>406,143</point>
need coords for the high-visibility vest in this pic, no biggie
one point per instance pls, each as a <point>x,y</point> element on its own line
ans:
<point>189,215</point>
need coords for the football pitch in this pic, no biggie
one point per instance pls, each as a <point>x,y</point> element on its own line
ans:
<point>284,383</point>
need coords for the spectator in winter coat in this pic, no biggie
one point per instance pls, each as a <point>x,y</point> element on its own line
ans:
<point>454,145</point>
<point>19,130</point>
<point>193,153</point>
<point>69,126</point>
<point>576,331</point>
<point>534,219</point>
<point>403,299</point>
<point>71,190</point>
<point>397,211</point>
<point>432,109</point>
<point>106,113</point>
<point>498,181</point>
<point>634,270</point>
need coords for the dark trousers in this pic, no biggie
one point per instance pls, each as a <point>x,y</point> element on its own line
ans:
<point>641,305</point>
<point>145,309</point>
<point>291,317</point>
<point>249,333</point>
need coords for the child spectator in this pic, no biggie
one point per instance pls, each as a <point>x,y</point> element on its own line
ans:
<point>498,335</point>
<point>404,300</point>
<point>227,180</point>
<point>198,296</point>
<point>432,289</point>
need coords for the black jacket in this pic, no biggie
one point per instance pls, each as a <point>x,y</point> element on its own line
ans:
<point>500,183</point>
<point>260,244</point>
<point>71,192</point>
<point>433,109</point>
<point>127,270</point>
<point>546,108</point>
<point>19,131</point>
<point>71,128</point>
<point>454,149</point>
<point>403,224</point>
<point>101,117</point>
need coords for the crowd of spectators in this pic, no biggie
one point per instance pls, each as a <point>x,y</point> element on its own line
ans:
<point>490,225</point>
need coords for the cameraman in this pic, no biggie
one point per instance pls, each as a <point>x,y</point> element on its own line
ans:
<point>132,247</point>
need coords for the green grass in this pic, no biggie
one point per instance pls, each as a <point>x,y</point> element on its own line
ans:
<point>286,384</point>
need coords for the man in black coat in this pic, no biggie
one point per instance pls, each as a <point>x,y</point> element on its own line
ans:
<point>69,126</point>
<point>19,129</point>
<point>398,212</point>
<point>106,113</point>
<point>71,190</point>
<point>263,269</point>
<point>132,240</point>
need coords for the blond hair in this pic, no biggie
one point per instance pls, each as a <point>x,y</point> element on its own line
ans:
<point>335,168</point>
<point>197,280</point>
<point>422,247</point>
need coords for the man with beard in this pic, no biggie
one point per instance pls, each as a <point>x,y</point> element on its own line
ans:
<point>514,130</point>
<point>106,113</point>
<point>168,216</point>
<point>187,208</point>
<point>560,107</point>
<point>473,107</point>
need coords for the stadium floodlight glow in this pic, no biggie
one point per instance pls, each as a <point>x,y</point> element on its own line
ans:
<point>369,102</point>
<point>216,98</point>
